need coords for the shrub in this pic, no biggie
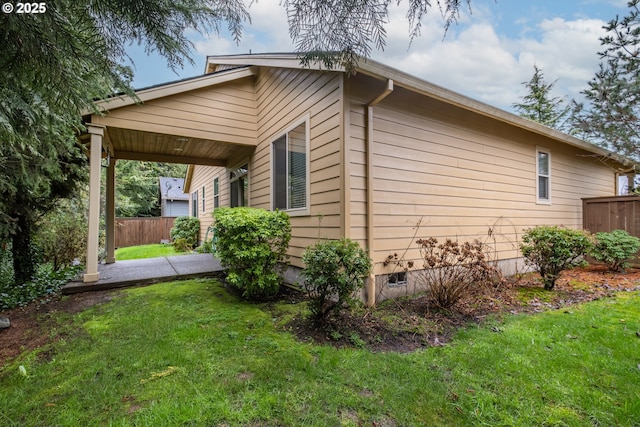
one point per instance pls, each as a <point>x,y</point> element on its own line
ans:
<point>334,271</point>
<point>62,236</point>
<point>615,249</point>
<point>552,249</point>
<point>451,269</point>
<point>252,246</point>
<point>187,228</point>
<point>182,245</point>
<point>46,283</point>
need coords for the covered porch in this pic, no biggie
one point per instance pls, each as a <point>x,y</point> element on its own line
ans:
<point>206,120</point>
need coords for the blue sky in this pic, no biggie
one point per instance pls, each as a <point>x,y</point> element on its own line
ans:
<point>486,56</point>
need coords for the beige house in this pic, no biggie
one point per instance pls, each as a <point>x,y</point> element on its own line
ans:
<point>381,157</point>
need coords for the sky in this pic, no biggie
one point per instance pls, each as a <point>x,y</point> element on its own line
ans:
<point>488,55</point>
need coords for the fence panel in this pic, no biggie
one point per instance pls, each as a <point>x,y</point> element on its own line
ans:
<point>142,231</point>
<point>612,213</point>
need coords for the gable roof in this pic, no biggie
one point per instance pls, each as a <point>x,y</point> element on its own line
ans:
<point>218,63</point>
<point>172,189</point>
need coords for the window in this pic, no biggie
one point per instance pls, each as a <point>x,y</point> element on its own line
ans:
<point>203,193</point>
<point>543,187</point>
<point>239,186</point>
<point>290,169</point>
<point>216,193</point>
<point>397,279</point>
<point>194,204</point>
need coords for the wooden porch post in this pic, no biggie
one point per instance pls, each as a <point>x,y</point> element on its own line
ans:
<point>111,212</point>
<point>97,133</point>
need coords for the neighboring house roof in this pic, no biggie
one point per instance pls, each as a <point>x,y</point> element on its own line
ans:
<point>172,189</point>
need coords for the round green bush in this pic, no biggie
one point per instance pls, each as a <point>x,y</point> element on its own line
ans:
<point>553,249</point>
<point>185,231</point>
<point>252,245</point>
<point>615,249</point>
<point>334,271</point>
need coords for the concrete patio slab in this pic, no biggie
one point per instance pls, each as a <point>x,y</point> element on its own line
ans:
<point>149,270</point>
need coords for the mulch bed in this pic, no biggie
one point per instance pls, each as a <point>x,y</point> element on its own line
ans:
<point>408,324</point>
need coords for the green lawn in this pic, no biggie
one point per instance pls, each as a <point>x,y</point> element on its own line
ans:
<point>189,353</point>
<point>145,251</point>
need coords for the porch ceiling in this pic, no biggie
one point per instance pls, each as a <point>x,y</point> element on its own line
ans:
<point>130,144</point>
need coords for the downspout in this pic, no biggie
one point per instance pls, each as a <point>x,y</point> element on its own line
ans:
<point>371,282</point>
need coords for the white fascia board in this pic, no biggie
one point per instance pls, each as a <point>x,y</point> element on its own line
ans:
<point>174,88</point>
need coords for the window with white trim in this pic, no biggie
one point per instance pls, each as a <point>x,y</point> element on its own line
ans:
<point>543,176</point>
<point>203,193</point>
<point>194,204</point>
<point>216,193</point>
<point>291,169</point>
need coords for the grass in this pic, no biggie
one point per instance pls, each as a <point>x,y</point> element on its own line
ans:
<point>189,353</point>
<point>145,251</point>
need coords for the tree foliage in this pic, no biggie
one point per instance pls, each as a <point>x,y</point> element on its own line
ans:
<point>538,104</point>
<point>137,187</point>
<point>611,117</point>
<point>54,66</point>
<point>339,32</point>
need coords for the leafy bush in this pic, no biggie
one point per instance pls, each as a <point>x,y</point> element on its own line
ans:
<point>187,228</point>
<point>182,245</point>
<point>62,236</point>
<point>252,245</point>
<point>334,271</point>
<point>615,249</point>
<point>451,269</point>
<point>205,248</point>
<point>6,265</point>
<point>552,249</point>
<point>46,283</point>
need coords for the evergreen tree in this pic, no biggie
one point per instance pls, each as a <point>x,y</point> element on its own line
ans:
<point>539,106</point>
<point>137,188</point>
<point>611,117</point>
<point>339,32</point>
<point>54,64</point>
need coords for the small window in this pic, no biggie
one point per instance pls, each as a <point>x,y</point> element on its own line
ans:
<point>543,184</point>
<point>397,279</point>
<point>290,169</point>
<point>194,204</point>
<point>203,204</point>
<point>216,193</point>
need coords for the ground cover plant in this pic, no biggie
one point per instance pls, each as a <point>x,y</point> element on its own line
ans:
<point>192,353</point>
<point>145,251</point>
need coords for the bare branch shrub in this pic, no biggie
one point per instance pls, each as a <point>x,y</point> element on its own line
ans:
<point>452,268</point>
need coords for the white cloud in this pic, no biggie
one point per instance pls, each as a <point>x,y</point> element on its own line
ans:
<point>473,59</point>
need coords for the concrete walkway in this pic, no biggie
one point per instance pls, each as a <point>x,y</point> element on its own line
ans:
<point>149,270</point>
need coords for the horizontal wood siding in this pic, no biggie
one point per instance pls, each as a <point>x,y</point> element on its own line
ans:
<point>285,96</point>
<point>443,172</point>
<point>203,176</point>
<point>223,113</point>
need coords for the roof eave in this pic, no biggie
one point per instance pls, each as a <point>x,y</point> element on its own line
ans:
<point>378,70</point>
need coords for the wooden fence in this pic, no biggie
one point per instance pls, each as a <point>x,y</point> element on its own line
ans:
<point>142,231</point>
<point>612,213</point>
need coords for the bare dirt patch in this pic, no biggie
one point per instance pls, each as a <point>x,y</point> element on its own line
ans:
<point>31,325</point>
